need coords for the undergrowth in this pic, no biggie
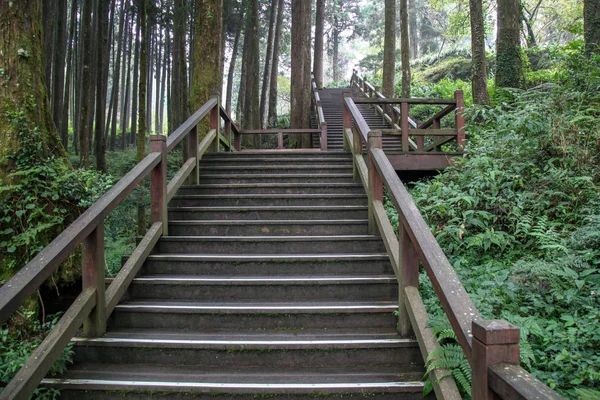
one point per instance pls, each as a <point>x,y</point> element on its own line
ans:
<point>519,219</point>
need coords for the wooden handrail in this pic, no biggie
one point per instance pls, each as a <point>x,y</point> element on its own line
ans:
<point>411,100</point>
<point>318,110</point>
<point>14,292</point>
<point>94,305</point>
<point>492,347</point>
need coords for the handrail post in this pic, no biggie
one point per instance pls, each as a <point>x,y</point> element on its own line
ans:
<point>364,86</point>
<point>404,125</point>
<point>93,277</point>
<point>409,276</point>
<point>494,342</point>
<point>237,141</point>
<point>192,142</point>
<point>158,183</point>
<point>460,120</point>
<point>324,136</point>
<point>228,131</point>
<point>347,120</point>
<point>375,182</point>
<point>436,140</point>
<point>280,140</point>
<point>214,124</point>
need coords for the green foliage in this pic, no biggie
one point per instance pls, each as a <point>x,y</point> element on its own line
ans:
<point>17,346</point>
<point>519,219</point>
<point>44,196</point>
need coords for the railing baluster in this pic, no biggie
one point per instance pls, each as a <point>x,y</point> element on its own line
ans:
<point>460,120</point>
<point>192,143</point>
<point>280,140</point>
<point>324,136</point>
<point>214,124</point>
<point>494,342</point>
<point>158,182</point>
<point>93,277</point>
<point>404,125</point>
<point>436,140</point>
<point>347,124</point>
<point>409,276</point>
<point>375,182</point>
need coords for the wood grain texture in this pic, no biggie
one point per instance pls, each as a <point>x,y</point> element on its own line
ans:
<point>511,381</point>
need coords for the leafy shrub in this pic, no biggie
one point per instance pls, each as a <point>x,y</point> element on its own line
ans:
<point>16,347</point>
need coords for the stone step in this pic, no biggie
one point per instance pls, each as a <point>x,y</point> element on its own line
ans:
<point>268,213</point>
<point>268,265</point>
<point>197,316</point>
<point>263,288</point>
<point>268,227</point>
<point>342,244</point>
<point>323,199</point>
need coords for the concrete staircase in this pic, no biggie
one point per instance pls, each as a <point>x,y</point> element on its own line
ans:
<point>268,285</point>
<point>333,111</point>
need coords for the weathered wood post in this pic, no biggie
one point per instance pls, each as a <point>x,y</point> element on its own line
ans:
<point>228,131</point>
<point>214,124</point>
<point>375,182</point>
<point>192,151</point>
<point>460,120</point>
<point>409,276</point>
<point>324,136</point>
<point>280,140</point>
<point>437,139</point>
<point>237,141</point>
<point>158,183</point>
<point>494,342</point>
<point>93,277</point>
<point>347,120</point>
<point>404,125</point>
<point>364,86</point>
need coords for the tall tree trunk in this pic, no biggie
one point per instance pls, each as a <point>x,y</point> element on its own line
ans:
<point>135,85</point>
<point>240,106</point>
<point>49,29</point>
<point>23,89</point>
<point>179,90</point>
<point>78,67</point>
<point>389,49</point>
<point>319,35</point>
<point>251,116</point>
<point>300,96</point>
<point>591,25</point>
<point>207,77</point>
<point>163,83</point>
<point>509,62</point>
<point>101,82</point>
<point>413,28</point>
<point>117,76</point>
<point>58,72</point>
<point>405,48</point>
<point>336,50</point>
<point>231,73</point>
<point>478,67</point>
<point>64,126</point>
<point>141,138</point>
<point>266,81</point>
<point>150,77</point>
<point>85,84</point>
<point>275,68</point>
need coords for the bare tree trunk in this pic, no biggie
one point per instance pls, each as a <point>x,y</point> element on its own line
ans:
<point>141,139</point>
<point>266,81</point>
<point>64,126</point>
<point>125,86</point>
<point>101,82</point>
<point>231,73</point>
<point>405,48</point>
<point>84,125</point>
<point>251,116</point>
<point>591,25</point>
<point>509,62</point>
<point>300,47</point>
<point>117,76</point>
<point>275,68</point>
<point>389,49</point>
<point>135,85</point>
<point>163,83</point>
<point>150,77</point>
<point>319,35</point>
<point>240,108</point>
<point>336,49</point>
<point>58,72</point>
<point>49,29</point>
<point>413,28</point>
<point>479,67</point>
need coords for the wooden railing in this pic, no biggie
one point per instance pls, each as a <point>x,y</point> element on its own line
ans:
<point>491,346</point>
<point>317,110</point>
<point>281,144</point>
<point>399,117</point>
<point>95,304</point>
